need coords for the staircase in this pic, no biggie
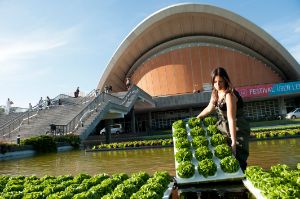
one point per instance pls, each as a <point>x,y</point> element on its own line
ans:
<point>78,116</point>
<point>106,104</point>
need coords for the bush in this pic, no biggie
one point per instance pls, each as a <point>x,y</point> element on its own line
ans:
<point>42,144</point>
<point>73,140</point>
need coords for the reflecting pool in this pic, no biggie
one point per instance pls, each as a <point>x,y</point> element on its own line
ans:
<point>262,153</point>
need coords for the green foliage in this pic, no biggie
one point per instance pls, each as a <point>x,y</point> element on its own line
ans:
<point>199,141</point>
<point>210,121</point>
<point>73,140</point>
<point>182,143</point>
<point>180,133</point>
<point>124,145</point>
<point>194,122</point>
<point>42,144</point>
<point>217,139</point>
<point>178,124</point>
<point>6,147</point>
<point>183,155</point>
<point>229,164</point>
<point>139,185</point>
<point>212,130</point>
<point>202,153</point>
<point>222,151</point>
<point>207,167</point>
<point>185,169</point>
<point>278,182</point>
<point>197,131</point>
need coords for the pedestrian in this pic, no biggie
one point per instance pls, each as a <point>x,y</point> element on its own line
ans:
<point>30,107</point>
<point>106,88</point>
<point>48,102</point>
<point>8,106</point>
<point>76,93</point>
<point>40,104</point>
<point>228,103</point>
<point>128,84</point>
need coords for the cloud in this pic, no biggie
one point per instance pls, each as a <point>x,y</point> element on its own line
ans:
<point>18,50</point>
<point>19,53</point>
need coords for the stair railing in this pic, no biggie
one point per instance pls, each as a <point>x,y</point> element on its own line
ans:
<point>15,124</point>
<point>94,105</point>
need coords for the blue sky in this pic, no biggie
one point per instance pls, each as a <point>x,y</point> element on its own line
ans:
<point>52,46</point>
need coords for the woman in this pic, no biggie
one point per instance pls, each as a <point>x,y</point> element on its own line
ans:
<point>229,105</point>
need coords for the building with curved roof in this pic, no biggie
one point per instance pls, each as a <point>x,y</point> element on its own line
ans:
<point>171,53</point>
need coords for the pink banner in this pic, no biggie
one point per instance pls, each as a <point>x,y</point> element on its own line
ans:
<point>255,91</point>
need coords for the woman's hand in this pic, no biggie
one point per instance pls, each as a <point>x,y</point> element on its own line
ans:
<point>233,148</point>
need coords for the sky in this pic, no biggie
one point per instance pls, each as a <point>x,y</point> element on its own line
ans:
<point>50,47</point>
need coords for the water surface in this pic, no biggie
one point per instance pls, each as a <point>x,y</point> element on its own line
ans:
<point>262,153</point>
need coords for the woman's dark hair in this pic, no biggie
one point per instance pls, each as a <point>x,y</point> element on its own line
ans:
<point>222,73</point>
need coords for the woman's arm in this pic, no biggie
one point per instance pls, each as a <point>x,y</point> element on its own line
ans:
<point>210,107</point>
<point>231,117</point>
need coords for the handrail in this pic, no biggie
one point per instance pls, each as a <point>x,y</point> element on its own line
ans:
<point>78,120</point>
<point>17,122</point>
<point>94,102</point>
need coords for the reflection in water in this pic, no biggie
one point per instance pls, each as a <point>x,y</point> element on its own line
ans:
<point>270,152</point>
<point>262,153</point>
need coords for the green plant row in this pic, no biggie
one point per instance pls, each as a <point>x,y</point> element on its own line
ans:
<point>43,144</point>
<point>278,182</point>
<point>275,133</point>
<point>160,142</point>
<point>276,128</point>
<point>84,186</point>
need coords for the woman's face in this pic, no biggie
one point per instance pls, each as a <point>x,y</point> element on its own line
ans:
<point>219,83</point>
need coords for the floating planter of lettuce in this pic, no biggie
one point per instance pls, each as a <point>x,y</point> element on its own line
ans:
<point>201,153</point>
<point>279,181</point>
<point>138,185</point>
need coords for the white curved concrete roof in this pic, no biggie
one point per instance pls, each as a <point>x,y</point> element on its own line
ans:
<point>184,20</point>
